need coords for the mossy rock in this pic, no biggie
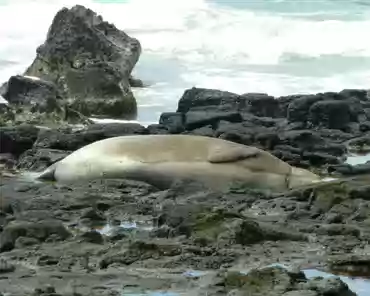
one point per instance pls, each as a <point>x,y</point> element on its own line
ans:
<point>268,281</point>
<point>123,108</point>
<point>90,60</point>
<point>235,279</point>
<point>211,225</point>
<point>328,195</point>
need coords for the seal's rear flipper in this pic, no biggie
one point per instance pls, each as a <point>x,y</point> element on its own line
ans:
<point>47,174</point>
<point>232,155</point>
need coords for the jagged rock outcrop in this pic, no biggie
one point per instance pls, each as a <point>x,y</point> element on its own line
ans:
<point>33,100</point>
<point>90,61</point>
<point>304,130</point>
<point>15,140</point>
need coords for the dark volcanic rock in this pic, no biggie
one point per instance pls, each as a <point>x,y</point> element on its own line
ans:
<point>348,170</point>
<point>360,144</point>
<point>318,159</point>
<point>197,119</point>
<point>39,159</point>
<point>262,105</point>
<point>208,99</point>
<point>249,232</point>
<point>7,160</point>
<point>276,281</point>
<point>73,140</point>
<point>47,260</point>
<point>140,250</point>
<point>39,230</point>
<point>159,129</point>
<point>6,267</point>
<point>298,109</point>
<point>335,110</point>
<point>332,114</point>
<point>17,139</point>
<point>6,114</point>
<point>173,121</point>
<point>135,82</point>
<point>362,192</point>
<point>41,95</point>
<point>315,127</point>
<point>90,61</point>
<point>33,100</point>
<point>93,215</point>
<point>92,236</point>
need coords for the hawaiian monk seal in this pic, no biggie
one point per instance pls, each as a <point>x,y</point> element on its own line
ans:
<point>161,160</point>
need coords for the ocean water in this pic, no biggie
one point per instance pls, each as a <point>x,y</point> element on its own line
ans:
<point>278,47</point>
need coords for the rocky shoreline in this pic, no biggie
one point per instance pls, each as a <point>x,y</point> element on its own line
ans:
<point>118,237</point>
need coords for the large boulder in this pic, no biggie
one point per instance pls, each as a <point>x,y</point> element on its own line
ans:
<point>201,99</point>
<point>38,230</point>
<point>40,159</point>
<point>36,101</point>
<point>6,113</point>
<point>90,61</point>
<point>332,114</point>
<point>39,94</point>
<point>297,109</point>
<point>262,105</point>
<point>278,281</point>
<point>15,140</point>
<point>333,110</point>
<point>304,129</point>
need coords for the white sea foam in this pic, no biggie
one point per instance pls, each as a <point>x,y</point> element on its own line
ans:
<point>197,43</point>
<point>32,77</point>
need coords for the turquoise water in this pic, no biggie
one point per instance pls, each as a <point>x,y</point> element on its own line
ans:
<point>361,286</point>
<point>275,46</point>
<point>358,159</point>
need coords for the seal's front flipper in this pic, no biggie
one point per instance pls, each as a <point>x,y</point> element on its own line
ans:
<point>224,155</point>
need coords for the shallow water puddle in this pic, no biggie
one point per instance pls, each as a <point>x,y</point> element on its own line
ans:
<point>355,159</point>
<point>151,293</point>
<point>108,229</point>
<point>357,281</point>
<point>194,273</point>
<point>359,285</point>
<point>132,292</point>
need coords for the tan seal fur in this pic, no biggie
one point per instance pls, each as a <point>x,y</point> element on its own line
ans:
<point>161,160</point>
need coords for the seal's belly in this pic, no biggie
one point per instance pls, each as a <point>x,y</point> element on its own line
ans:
<point>213,175</point>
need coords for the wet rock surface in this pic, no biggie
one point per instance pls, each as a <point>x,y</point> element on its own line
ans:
<point>119,236</point>
<point>36,101</point>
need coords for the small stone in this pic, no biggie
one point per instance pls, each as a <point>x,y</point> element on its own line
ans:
<point>47,260</point>
<point>92,214</point>
<point>22,242</point>
<point>93,237</point>
<point>6,267</point>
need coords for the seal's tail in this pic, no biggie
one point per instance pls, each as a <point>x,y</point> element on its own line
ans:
<point>47,174</point>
